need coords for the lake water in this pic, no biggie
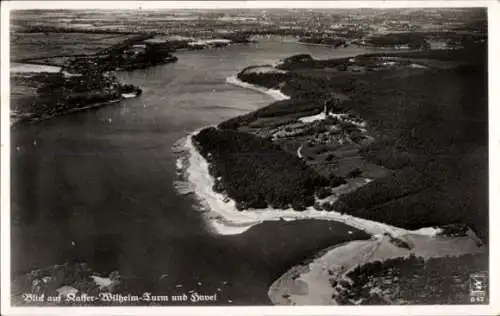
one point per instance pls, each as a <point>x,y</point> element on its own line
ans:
<point>103,180</point>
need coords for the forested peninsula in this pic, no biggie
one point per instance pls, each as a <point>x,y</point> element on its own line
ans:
<point>414,125</point>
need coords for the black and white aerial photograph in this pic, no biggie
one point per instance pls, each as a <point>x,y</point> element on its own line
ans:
<point>216,155</point>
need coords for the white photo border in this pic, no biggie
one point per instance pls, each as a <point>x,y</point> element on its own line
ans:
<point>493,8</point>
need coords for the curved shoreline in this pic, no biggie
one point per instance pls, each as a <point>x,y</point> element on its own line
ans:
<point>310,284</point>
<point>334,263</point>
<point>223,217</point>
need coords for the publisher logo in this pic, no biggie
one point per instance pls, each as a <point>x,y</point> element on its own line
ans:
<point>478,287</point>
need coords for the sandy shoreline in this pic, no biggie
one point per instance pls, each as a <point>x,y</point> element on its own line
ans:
<point>309,284</point>
<point>335,263</point>
<point>223,217</point>
<point>275,94</point>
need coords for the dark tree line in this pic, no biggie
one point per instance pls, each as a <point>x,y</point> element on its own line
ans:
<point>57,93</point>
<point>431,129</point>
<point>414,280</point>
<point>413,40</point>
<point>257,173</point>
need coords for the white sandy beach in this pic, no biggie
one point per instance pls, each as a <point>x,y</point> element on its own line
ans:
<point>310,284</point>
<point>275,94</point>
<point>339,116</point>
<point>31,69</point>
<point>313,279</point>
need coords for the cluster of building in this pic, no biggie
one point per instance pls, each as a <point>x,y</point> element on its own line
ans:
<point>323,128</point>
<point>348,23</point>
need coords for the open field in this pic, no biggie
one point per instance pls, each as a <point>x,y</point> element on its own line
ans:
<point>32,46</point>
<point>56,61</point>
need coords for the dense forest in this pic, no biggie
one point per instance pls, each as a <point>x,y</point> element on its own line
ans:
<point>268,80</point>
<point>331,41</point>
<point>114,59</point>
<point>305,61</point>
<point>257,173</point>
<point>413,280</point>
<point>429,126</point>
<point>413,40</point>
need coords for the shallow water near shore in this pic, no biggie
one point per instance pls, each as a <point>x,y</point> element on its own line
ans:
<point>103,180</point>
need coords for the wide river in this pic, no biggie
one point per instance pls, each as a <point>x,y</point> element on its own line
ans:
<point>98,186</point>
